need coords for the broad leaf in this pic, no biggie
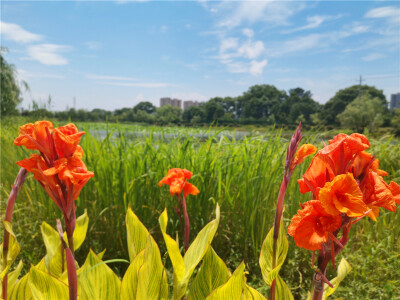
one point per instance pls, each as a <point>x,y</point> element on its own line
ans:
<point>130,280</point>
<point>46,287</point>
<point>97,280</point>
<point>184,267</point>
<point>152,278</point>
<point>12,278</point>
<point>21,290</point>
<point>213,273</point>
<point>268,272</point>
<point>233,288</point>
<point>342,271</point>
<point>282,291</point>
<point>251,294</point>
<point>13,250</point>
<point>136,234</point>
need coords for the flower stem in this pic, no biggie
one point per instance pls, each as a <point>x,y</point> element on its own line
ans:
<point>187,224</point>
<point>19,181</point>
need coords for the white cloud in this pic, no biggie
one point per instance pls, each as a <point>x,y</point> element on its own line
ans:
<point>251,49</point>
<point>48,54</point>
<point>93,45</point>
<point>384,12</point>
<point>138,84</point>
<point>373,56</point>
<point>106,77</point>
<point>256,67</point>
<point>228,44</point>
<point>248,32</point>
<point>18,34</point>
<point>313,22</point>
<point>273,12</point>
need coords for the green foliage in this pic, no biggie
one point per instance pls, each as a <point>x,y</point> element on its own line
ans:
<point>10,87</point>
<point>338,103</point>
<point>362,113</point>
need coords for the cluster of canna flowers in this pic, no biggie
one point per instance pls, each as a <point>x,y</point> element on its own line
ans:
<point>346,185</point>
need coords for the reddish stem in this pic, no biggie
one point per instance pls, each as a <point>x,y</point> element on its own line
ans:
<point>187,224</point>
<point>19,181</point>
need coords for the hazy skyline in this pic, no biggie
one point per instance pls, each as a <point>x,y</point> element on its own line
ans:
<point>114,54</point>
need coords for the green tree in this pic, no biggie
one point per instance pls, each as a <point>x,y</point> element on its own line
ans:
<point>362,113</point>
<point>145,106</point>
<point>192,112</point>
<point>342,98</point>
<point>10,88</point>
<point>396,120</point>
<point>168,114</point>
<point>213,110</point>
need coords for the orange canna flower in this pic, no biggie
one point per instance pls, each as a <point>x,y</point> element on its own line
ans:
<point>37,136</point>
<point>377,193</point>
<point>176,179</point>
<point>302,153</point>
<point>363,161</point>
<point>343,195</point>
<point>67,139</point>
<point>312,225</point>
<point>318,173</point>
<point>395,189</point>
<point>342,149</point>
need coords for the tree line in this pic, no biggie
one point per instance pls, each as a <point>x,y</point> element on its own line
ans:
<point>355,107</point>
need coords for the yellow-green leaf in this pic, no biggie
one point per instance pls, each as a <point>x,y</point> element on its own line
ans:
<point>213,273</point>
<point>183,268</point>
<point>51,241</point>
<point>233,288</point>
<point>342,271</point>
<point>268,272</point>
<point>282,291</point>
<point>21,290</point>
<point>13,251</point>
<point>136,234</point>
<point>152,278</point>
<point>80,231</point>
<point>97,280</point>
<point>130,280</point>
<point>12,278</point>
<point>46,287</point>
<point>251,294</point>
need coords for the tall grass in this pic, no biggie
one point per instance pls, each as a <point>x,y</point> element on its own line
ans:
<point>241,174</point>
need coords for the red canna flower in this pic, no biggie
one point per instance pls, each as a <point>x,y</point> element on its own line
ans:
<point>67,139</point>
<point>312,226</point>
<point>301,154</point>
<point>342,150</point>
<point>363,162</point>
<point>395,189</point>
<point>377,193</point>
<point>343,195</point>
<point>37,136</point>
<point>177,180</point>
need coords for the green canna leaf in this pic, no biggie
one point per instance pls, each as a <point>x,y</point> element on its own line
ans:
<point>344,268</point>
<point>184,267</point>
<point>13,250</point>
<point>136,234</point>
<point>251,294</point>
<point>265,260</point>
<point>46,287</point>
<point>12,278</point>
<point>130,280</point>
<point>213,273</point>
<point>21,290</point>
<point>233,288</point>
<point>152,278</point>
<point>51,238</point>
<point>97,281</point>
<point>282,291</point>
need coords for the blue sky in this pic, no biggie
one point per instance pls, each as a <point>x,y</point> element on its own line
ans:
<point>114,54</point>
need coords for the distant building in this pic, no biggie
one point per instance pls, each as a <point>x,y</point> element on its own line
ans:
<point>173,102</point>
<point>189,103</point>
<point>394,101</point>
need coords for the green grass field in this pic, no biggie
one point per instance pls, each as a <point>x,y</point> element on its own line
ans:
<point>241,171</point>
